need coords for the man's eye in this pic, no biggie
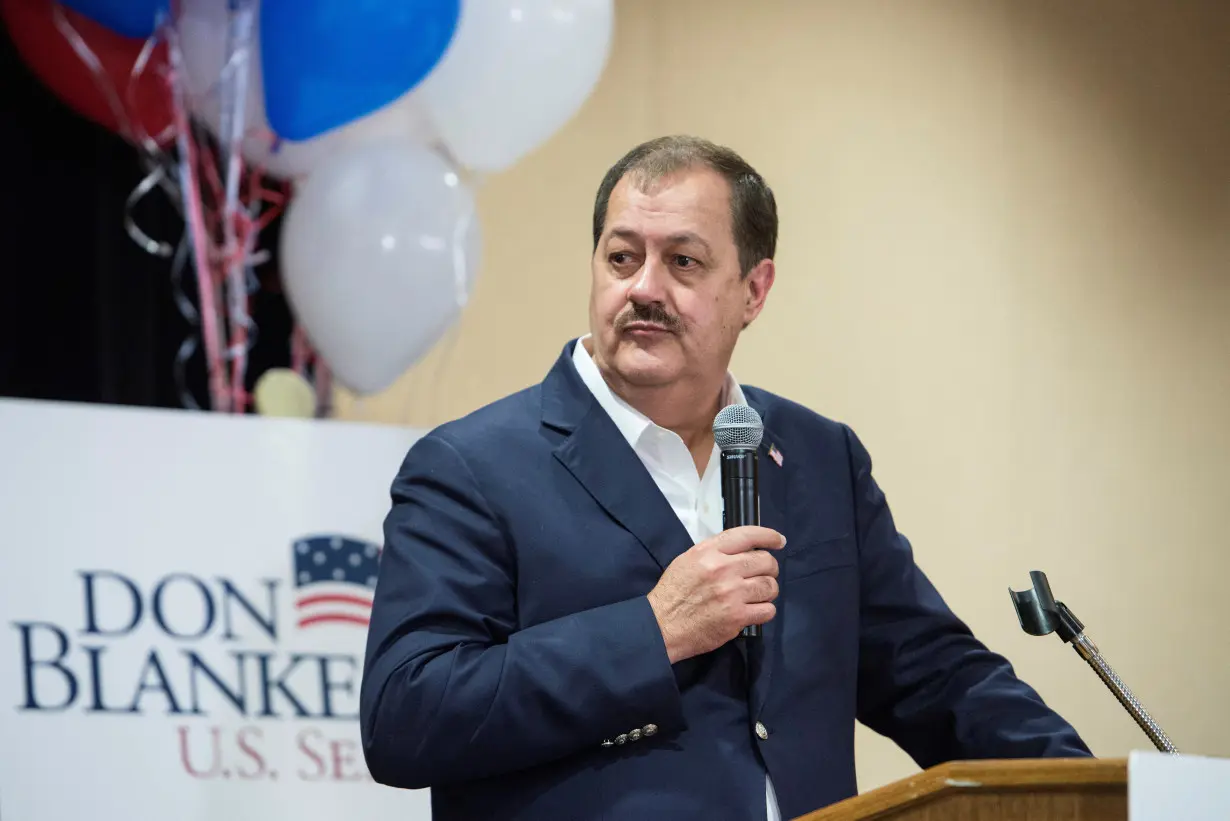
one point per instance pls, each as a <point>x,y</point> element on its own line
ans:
<point>620,258</point>
<point>685,261</point>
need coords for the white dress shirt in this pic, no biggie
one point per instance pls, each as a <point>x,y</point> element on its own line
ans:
<point>696,500</point>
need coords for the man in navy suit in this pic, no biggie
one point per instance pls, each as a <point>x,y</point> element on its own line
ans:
<point>555,632</point>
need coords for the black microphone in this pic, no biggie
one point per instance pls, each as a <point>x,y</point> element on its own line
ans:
<point>737,430</point>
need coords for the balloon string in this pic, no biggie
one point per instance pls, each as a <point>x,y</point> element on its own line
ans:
<point>152,157</point>
<point>151,145</point>
<point>188,347</point>
<point>302,357</point>
<point>92,62</point>
<point>238,265</point>
<point>151,153</point>
<point>461,280</point>
<point>147,244</point>
<point>231,265</point>
<point>324,389</point>
<point>191,194</point>
<point>209,175</point>
<point>276,200</point>
<point>243,331</point>
<point>237,234</point>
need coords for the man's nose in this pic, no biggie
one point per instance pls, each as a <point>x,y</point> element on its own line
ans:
<point>649,284</point>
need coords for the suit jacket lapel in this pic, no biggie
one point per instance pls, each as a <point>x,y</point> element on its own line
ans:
<point>774,478</point>
<point>597,454</point>
<point>601,460</point>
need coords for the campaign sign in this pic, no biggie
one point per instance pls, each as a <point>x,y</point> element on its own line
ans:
<point>184,600</point>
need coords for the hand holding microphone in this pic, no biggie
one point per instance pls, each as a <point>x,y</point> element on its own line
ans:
<point>724,585</point>
<point>716,589</point>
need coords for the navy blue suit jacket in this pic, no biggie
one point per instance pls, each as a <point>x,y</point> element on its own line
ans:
<point>511,635</point>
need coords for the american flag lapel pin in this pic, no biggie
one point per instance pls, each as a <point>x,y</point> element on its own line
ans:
<point>775,454</point>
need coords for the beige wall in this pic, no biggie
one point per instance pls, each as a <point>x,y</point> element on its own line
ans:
<point>1004,260</point>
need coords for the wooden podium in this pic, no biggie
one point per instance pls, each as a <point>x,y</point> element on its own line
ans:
<point>1056,789</point>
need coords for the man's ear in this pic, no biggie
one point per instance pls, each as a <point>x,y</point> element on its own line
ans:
<point>757,284</point>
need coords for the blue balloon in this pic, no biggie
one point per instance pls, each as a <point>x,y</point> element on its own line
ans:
<point>131,18</point>
<point>329,62</point>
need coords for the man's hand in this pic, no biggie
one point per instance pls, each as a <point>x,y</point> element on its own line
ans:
<point>715,589</point>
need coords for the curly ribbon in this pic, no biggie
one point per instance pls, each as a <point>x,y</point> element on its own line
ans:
<point>149,245</point>
<point>188,347</point>
<point>152,157</point>
<point>156,161</point>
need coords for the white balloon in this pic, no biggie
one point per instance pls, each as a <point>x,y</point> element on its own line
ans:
<point>203,27</point>
<point>380,246</point>
<point>515,72</point>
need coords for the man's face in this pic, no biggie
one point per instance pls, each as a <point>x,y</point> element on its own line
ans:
<point>667,299</point>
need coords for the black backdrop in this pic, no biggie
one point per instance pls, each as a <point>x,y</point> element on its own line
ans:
<point>85,314</point>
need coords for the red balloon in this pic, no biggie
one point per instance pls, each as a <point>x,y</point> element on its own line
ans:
<point>50,55</point>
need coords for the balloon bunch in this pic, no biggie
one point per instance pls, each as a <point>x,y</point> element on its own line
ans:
<point>363,119</point>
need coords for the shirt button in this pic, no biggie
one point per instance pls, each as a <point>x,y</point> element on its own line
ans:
<point>762,732</point>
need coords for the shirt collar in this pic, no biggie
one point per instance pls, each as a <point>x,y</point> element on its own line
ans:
<point>631,422</point>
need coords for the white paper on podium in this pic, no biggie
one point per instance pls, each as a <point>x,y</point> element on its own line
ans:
<point>1164,787</point>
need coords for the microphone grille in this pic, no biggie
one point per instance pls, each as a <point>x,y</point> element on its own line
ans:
<point>737,427</point>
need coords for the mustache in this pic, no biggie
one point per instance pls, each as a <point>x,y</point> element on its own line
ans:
<point>653,313</point>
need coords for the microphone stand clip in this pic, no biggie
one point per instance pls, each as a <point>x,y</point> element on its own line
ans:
<point>1040,614</point>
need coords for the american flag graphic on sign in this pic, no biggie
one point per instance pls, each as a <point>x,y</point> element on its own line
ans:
<point>335,578</point>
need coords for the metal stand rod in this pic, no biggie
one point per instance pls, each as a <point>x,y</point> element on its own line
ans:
<point>1087,650</point>
<point>1040,614</point>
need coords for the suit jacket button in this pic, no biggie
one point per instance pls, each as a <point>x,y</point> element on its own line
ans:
<point>649,729</point>
<point>635,735</point>
<point>762,732</point>
<point>622,738</point>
